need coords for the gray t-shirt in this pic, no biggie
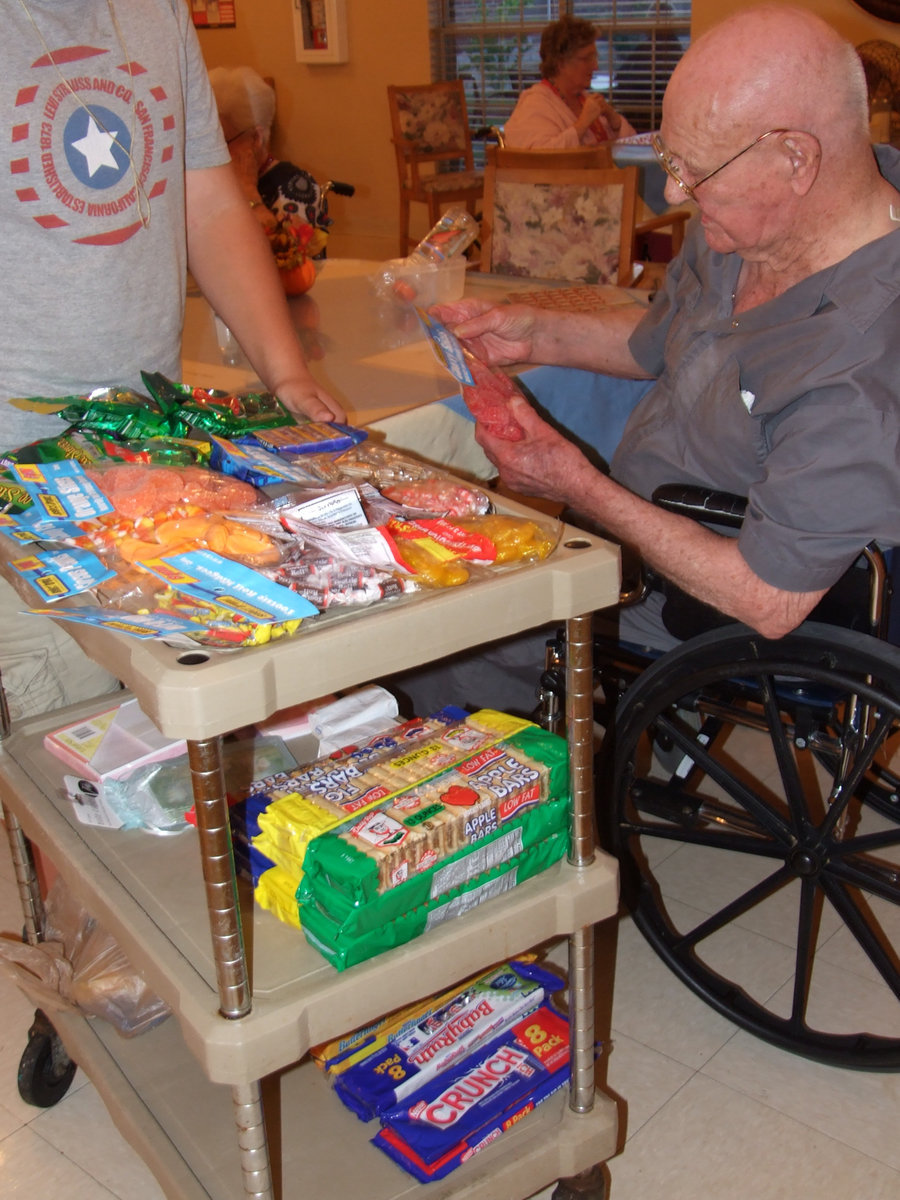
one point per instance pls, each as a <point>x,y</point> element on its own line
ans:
<point>88,296</point>
<point>796,404</point>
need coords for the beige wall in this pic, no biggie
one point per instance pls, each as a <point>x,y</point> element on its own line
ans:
<point>334,121</point>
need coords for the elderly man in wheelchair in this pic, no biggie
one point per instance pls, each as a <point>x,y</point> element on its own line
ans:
<point>773,350</point>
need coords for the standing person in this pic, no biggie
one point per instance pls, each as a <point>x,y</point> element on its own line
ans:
<point>118,181</point>
<point>773,344</point>
<point>561,111</point>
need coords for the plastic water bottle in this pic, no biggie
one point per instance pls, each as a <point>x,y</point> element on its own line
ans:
<point>455,232</point>
<point>435,270</point>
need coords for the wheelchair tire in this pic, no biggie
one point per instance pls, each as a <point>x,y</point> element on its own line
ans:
<point>800,853</point>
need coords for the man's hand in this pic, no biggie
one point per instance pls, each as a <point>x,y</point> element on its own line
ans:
<point>496,333</point>
<point>305,397</point>
<point>543,463</point>
<point>703,563</point>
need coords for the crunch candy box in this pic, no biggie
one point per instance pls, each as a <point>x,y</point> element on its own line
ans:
<point>461,1111</point>
<point>411,1058</point>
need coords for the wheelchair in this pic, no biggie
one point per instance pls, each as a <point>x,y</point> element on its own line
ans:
<point>801,848</point>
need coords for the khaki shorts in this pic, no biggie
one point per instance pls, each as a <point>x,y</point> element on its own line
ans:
<point>41,667</point>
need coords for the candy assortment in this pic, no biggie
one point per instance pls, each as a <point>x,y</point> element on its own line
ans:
<point>155,484</point>
<point>446,1076</point>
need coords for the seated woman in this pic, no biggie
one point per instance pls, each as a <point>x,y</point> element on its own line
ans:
<point>276,190</point>
<point>561,112</point>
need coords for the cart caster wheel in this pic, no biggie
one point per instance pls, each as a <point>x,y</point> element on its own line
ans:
<point>587,1185</point>
<point>45,1070</point>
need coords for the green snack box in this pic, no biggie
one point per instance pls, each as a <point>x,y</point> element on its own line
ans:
<point>357,918</point>
<point>344,950</point>
<point>404,839</point>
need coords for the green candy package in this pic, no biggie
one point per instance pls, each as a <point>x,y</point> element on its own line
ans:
<point>346,950</point>
<point>216,411</point>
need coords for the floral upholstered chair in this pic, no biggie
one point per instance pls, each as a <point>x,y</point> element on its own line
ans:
<point>430,129</point>
<point>569,224</point>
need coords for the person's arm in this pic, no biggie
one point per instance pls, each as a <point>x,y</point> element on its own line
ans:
<point>230,258</point>
<point>513,333</point>
<point>705,564</point>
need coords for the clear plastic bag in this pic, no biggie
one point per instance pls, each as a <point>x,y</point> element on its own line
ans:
<point>82,967</point>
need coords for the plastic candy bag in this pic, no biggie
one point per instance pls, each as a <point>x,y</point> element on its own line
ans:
<point>81,966</point>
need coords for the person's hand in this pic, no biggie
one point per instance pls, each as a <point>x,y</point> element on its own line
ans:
<point>597,106</point>
<point>543,463</point>
<point>305,397</point>
<point>498,334</point>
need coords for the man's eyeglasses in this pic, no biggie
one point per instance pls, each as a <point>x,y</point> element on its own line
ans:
<point>234,137</point>
<point>671,168</point>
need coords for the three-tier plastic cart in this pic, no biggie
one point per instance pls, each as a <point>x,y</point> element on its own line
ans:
<point>221,1099</point>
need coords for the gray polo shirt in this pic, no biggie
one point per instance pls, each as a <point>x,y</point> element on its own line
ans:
<point>796,405</point>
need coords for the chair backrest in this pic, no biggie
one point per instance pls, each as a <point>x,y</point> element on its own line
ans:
<point>551,160</point>
<point>430,123</point>
<point>575,224</point>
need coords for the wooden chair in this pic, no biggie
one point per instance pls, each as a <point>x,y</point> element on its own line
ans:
<point>575,223</point>
<point>671,222</point>
<point>430,127</point>
<point>572,158</point>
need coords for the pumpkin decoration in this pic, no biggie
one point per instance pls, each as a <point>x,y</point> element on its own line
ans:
<point>292,246</point>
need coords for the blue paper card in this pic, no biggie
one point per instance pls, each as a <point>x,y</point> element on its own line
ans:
<point>63,572</point>
<point>446,347</point>
<point>60,491</point>
<point>209,577</point>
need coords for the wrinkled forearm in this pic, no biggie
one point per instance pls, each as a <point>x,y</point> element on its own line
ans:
<point>597,342</point>
<point>703,563</point>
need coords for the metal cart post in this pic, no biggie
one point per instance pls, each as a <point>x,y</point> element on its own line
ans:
<point>164,1089</point>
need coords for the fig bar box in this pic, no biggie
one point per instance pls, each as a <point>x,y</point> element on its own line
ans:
<point>110,745</point>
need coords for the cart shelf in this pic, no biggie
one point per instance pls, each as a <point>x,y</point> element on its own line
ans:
<point>181,1124</point>
<point>148,892</point>
<point>201,943</point>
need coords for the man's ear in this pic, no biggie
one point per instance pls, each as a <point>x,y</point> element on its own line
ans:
<point>804,154</point>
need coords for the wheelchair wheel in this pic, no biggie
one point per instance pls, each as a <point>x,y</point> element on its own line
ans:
<point>774,793</point>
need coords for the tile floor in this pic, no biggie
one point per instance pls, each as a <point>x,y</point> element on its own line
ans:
<point>708,1112</point>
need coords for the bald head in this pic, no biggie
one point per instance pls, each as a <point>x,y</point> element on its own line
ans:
<point>767,67</point>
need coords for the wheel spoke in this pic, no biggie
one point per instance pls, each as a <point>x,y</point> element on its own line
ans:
<point>721,839</point>
<point>878,879</point>
<point>887,839</point>
<point>784,757</point>
<point>807,925</point>
<point>736,908</point>
<point>860,926</point>
<point>719,773</point>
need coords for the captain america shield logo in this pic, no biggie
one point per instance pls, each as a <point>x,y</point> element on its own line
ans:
<point>86,146</point>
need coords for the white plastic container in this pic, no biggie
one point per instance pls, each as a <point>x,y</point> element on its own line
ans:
<point>422,284</point>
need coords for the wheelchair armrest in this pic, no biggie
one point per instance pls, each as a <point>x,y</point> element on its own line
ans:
<point>702,504</point>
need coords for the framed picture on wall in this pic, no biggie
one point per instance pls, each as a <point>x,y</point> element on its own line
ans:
<point>320,31</point>
<point>213,14</point>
